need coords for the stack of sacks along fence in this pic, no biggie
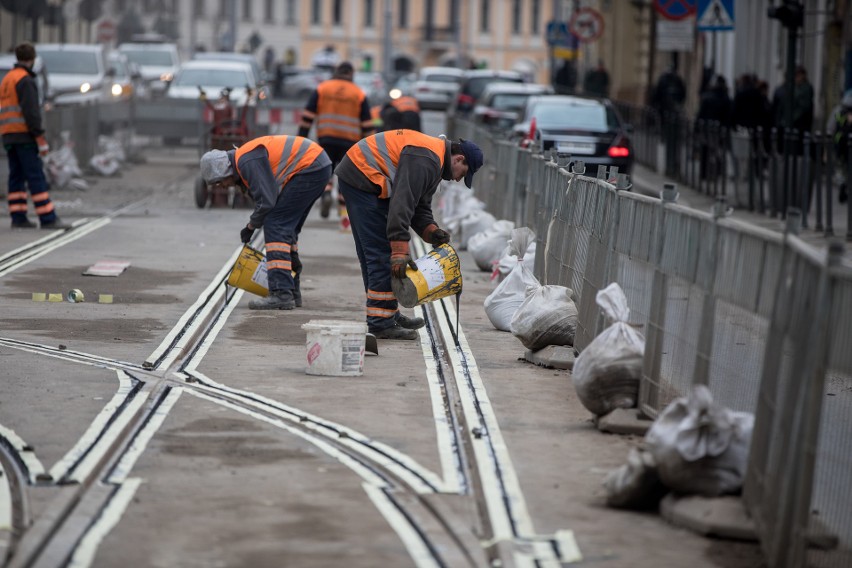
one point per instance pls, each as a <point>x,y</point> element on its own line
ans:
<point>758,317</point>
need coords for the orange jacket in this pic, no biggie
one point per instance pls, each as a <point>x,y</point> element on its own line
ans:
<point>11,115</point>
<point>338,111</point>
<point>405,104</point>
<point>377,156</point>
<point>288,155</point>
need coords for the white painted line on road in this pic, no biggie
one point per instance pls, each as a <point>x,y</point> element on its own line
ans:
<point>25,452</point>
<point>205,346</point>
<point>5,505</point>
<point>107,437</point>
<point>443,428</point>
<point>419,478</point>
<point>90,436</point>
<point>56,243</point>
<point>66,354</point>
<point>140,442</point>
<point>417,549</point>
<point>87,548</point>
<point>215,287</point>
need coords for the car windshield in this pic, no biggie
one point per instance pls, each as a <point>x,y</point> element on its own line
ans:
<point>439,78</point>
<point>70,62</point>
<point>149,57</point>
<point>218,77</point>
<point>119,69</point>
<point>509,101</point>
<point>575,117</point>
<point>476,85</point>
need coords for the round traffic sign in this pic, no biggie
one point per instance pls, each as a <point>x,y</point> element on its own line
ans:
<point>105,31</point>
<point>587,24</point>
<point>675,9</point>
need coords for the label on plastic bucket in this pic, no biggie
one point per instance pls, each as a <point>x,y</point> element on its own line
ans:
<point>261,276</point>
<point>335,348</point>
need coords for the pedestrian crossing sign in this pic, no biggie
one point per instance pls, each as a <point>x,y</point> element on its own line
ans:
<point>715,15</point>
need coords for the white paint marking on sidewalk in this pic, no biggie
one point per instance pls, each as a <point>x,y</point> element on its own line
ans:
<point>447,450</point>
<point>419,478</point>
<point>509,517</point>
<point>140,442</point>
<point>25,452</point>
<point>87,548</point>
<point>417,549</point>
<point>90,436</point>
<point>215,284</point>
<point>55,244</point>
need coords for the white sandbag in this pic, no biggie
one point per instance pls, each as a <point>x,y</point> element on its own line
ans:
<point>61,168</point>
<point>606,374</point>
<point>475,222</point>
<point>548,316</point>
<point>520,248</point>
<point>487,246</point>
<point>701,447</point>
<point>504,301</point>
<point>636,484</point>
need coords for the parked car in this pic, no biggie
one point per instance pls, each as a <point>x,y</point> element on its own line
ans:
<point>586,129</point>
<point>78,72</point>
<point>501,103</point>
<point>474,82</point>
<point>157,62</point>
<point>212,77</point>
<point>7,63</point>
<point>436,87</point>
<point>259,74</point>
<point>373,85</point>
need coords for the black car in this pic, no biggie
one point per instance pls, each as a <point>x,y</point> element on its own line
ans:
<point>583,128</point>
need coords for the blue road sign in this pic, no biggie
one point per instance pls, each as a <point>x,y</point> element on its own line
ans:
<point>675,9</point>
<point>558,34</point>
<point>715,15</point>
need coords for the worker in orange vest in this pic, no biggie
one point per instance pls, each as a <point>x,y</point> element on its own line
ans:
<point>285,175</point>
<point>340,111</point>
<point>402,112</point>
<point>388,180</point>
<point>23,138</point>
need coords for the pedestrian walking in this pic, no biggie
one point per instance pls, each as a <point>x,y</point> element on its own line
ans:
<point>341,112</point>
<point>285,176</point>
<point>25,144</point>
<point>596,81</point>
<point>388,180</point>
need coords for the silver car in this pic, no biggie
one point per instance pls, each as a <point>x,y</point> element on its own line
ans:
<point>436,87</point>
<point>79,73</point>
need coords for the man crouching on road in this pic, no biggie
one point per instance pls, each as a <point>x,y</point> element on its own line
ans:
<point>285,175</point>
<point>388,181</point>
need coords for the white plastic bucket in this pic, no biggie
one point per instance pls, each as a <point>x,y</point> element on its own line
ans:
<point>335,348</point>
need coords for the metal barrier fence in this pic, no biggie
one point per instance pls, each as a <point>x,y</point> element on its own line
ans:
<point>761,318</point>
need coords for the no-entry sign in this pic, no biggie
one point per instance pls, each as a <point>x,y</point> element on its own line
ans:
<point>587,24</point>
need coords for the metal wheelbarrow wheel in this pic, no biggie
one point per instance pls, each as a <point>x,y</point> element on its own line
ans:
<point>201,193</point>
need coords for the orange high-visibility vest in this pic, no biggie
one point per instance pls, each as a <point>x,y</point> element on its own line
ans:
<point>377,156</point>
<point>404,104</point>
<point>288,155</point>
<point>339,110</point>
<point>11,116</point>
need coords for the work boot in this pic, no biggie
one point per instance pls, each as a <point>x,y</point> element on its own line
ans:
<point>410,323</point>
<point>55,224</point>
<point>25,224</point>
<point>277,300</point>
<point>396,332</point>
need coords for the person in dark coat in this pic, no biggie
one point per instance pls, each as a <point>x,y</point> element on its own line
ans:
<point>596,81</point>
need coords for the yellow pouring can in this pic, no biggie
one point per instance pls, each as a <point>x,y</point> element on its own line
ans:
<point>249,272</point>
<point>438,275</point>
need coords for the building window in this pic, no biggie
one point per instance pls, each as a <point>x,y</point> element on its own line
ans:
<point>247,9</point>
<point>484,14</point>
<point>403,14</point>
<point>535,17</point>
<point>290,13</point>
<point>516,17</point>
<point>337,12</point>
<point>368,14</point>
<point>269,11</point>
<point>316,12</point>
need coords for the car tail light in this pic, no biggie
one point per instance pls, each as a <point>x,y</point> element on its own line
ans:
<point>618,151</point>
<point>464,99</point>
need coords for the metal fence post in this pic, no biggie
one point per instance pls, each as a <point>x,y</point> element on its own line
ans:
<point>819,148</point>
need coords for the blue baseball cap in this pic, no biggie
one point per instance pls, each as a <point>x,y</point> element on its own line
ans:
<point>474,158</point>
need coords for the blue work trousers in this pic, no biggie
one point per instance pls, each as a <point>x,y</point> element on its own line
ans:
<point>26,171</point>
<point>368,216</point>
<point>282,225</point>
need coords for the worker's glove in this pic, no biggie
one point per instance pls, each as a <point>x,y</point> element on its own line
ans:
<point>43,147</point>
<point>400,259</point>
<point>436,236</point>
<point>246,234</point>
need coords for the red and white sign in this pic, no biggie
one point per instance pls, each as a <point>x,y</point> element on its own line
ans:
<point>105,31</point>
<point>587,24</point>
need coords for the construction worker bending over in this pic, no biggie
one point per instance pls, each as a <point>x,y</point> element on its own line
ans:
<point>388,180</point>
<point>25,144</point>
<point>341,112</point>
<point>285,175</point>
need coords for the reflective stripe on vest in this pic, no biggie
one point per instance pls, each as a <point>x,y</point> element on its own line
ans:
<point>339,110</point>
<point>11,116</point>
<point>288,155</point>
<point>377,156</point>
